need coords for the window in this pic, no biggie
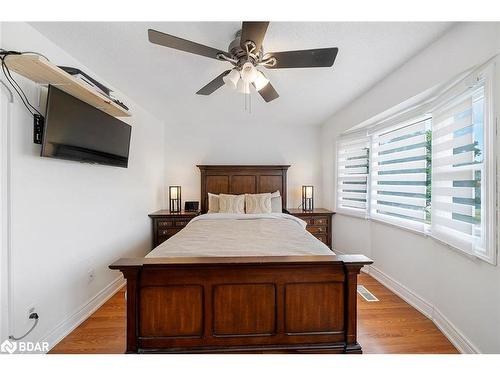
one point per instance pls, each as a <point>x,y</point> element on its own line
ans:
<point>461,190</point>
<point>434,174</point>
<point>400,175</point>
<point>352,175</point>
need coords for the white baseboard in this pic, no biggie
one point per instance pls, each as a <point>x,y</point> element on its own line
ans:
<point>87,309</point>
<point>457,338</point>
<point>403,292</point>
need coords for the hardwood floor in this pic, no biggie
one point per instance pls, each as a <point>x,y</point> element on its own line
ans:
<point>102,332</point>
<point>391,326</point>
<point>387,326</point>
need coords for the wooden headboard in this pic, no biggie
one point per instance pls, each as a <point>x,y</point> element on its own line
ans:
<point>241,179</point>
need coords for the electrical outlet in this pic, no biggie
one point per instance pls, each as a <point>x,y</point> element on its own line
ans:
<point>91,275</point>
<point>30,310</point>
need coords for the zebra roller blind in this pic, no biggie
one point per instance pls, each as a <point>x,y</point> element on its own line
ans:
<point>352,174</point>
<point>399,174</point>
<point>458,173</point>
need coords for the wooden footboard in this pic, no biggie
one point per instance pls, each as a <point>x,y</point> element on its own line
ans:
<point>242,304</point>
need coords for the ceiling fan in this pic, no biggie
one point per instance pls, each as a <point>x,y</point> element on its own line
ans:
<point>246,53</point>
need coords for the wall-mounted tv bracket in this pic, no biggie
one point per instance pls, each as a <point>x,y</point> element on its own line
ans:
<point>38,125</point>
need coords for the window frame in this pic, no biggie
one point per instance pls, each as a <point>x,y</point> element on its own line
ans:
<point>486,73</point>
<point>360,213</point>
<point>491,165</point>
<point>489,194</point>
<point>393,220</point>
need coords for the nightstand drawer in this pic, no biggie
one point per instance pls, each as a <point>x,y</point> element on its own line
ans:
<point>320,221</point>
<point>165,224</point>
<point>167,232</point>
<point>161,239</point>
<point>316,229</point>
<point>308,220</point>
<point>181,223</point>
<point>323,238</point>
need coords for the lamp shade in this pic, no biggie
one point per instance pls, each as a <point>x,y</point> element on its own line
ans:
<point>248,72</point>
<point>309,192</point>
<point>307,197</point>
<point>174,197</point>
<point>260,81</point>
<point>174,192</point>
<point>231,79</point>
<point>243,87</point>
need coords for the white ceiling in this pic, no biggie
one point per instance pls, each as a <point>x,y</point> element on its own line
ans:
<point>164,81</point>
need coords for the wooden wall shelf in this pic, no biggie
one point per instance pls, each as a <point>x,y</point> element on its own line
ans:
<point>41,71</point>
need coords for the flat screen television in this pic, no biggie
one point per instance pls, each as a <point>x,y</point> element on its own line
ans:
<point>74,130</point>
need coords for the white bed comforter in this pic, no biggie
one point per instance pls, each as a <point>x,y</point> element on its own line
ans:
<point>228,235</point>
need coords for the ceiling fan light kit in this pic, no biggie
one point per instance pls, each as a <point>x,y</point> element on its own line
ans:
<point>246,53</point>
<point>260,81</point>
<point>243,87</point>
<point>241,81</point>
<point>248,72</point>
<point>231,79</point>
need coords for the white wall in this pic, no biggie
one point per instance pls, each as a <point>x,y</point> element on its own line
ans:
<point>67,217</point>
<point>462,294</point>
<point>5,97</point>
<point>229,142</point>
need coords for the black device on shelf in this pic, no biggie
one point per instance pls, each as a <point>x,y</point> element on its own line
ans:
<point>191,206</point>
<point>74,130</point>
<point>98,86</point>
<point>86,78</point>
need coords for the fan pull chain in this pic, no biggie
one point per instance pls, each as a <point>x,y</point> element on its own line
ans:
<point>247,99</point>
<point>248,102</point>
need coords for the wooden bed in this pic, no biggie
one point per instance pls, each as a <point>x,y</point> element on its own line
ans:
<point>283,304</point>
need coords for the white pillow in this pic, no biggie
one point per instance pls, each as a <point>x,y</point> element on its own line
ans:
<point>232,204</point>
<point>213,203</point>
<point>276,203</point>
<point>258,203</point>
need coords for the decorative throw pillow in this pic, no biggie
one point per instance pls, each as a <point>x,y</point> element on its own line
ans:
<point>232,204</point>
<point>258,203</point>
<point>276,203</point>
<point>213,203</point>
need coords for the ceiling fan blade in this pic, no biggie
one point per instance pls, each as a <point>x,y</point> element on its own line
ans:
<point>254,31</point>
<point>308,58</point>
<point>213,85</point>
<point>268,93</point>
<point>185,45</point>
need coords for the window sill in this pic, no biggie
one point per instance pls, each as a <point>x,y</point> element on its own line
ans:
<point>471,256</point>
<point>345,212</point>
<point>426,234</point>
<point>362,216</point>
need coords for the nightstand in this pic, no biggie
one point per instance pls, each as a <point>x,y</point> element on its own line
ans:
<point>166,224</point>
<point>319,222</point>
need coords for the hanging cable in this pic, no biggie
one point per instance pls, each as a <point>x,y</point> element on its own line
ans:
<point>6,71</point>
<point>14,87</point>
<point>32,316</point>
<point>19,87</point>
